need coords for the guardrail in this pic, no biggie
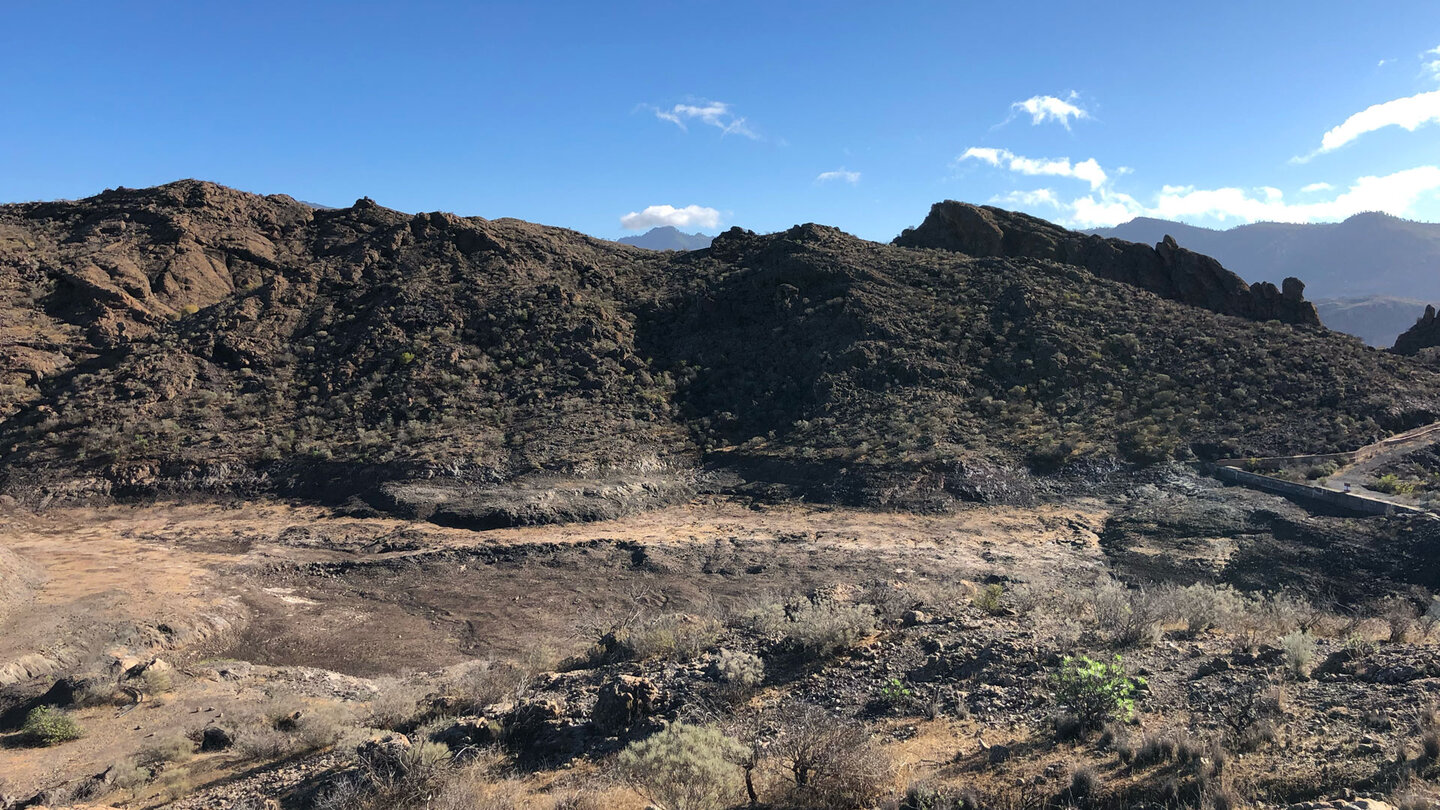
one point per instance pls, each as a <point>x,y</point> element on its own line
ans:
<point>1348,501</point>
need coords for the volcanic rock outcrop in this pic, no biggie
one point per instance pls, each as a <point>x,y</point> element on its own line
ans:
<point>1167,269</point>
<point>1423,335</point>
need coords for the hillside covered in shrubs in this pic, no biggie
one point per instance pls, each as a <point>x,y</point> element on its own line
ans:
<point>193,338</point>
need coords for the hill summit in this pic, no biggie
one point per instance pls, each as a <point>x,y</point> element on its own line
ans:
<point>667,237</point>
<point>191,338</point>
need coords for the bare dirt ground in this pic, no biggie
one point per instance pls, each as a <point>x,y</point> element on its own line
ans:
<point>295,586</point>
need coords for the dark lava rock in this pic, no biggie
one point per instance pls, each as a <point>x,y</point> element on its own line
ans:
<point>1423,335</point>
<point>624,702</point>
<point>215,738</point>
<point>1166,269</point>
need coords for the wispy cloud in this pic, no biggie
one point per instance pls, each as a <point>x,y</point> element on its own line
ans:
<point>1049,108</point>
<point>1088,170</point>
<point>839,174</point>
<point>1430,62</point>
<point>691,216</point>
<point>1034,199</point>
<point>1409,113</point>
<point>1313,187</point>
<point>717,114</point>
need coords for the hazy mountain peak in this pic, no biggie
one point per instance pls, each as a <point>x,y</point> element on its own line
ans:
<point>667,237</point>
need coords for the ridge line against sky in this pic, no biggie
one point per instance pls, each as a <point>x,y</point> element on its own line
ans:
<point>853,115</point>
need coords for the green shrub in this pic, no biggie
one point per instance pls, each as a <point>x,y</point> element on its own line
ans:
<point>685,767</point>
<point>1094,691</point>
<point>49,726</point>
<point>988,599</point>
<point>1391,484</point>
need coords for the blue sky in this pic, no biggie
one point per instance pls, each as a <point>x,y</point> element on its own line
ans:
<point>706,115</point>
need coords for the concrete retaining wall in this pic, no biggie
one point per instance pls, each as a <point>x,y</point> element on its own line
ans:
<point>1347,501</point>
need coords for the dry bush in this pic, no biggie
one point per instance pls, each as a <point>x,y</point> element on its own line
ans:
<point>668,636</point>
<point>818,627</point>
<point>577,800</point>
<point>1203,607</point>
<point>1250,716</point>
<point>1124,617</point>
<point>169,747</point>
<point>484,683</point>
<point>157,680</point>
<point>125,775</point>
<point>685,767</point>
<point>740,668</point>
<point>1299,649</point>
<point>415,779</point>
<point>674,636</point>
<point>825,628</point>
<point>889,599</point>
<point>284,725</point>
<point>394,706</point>
<point>833,763</point>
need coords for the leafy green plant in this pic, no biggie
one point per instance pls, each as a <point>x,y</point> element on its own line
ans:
<point>1391,484</point>
<point>1095,691</point>
<point>895,694</point>
<point>50,726</point>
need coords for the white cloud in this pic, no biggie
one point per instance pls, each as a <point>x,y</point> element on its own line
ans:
<point>691,216</point>
<point>712,113</point>
<point>1088,170</point>
<point>1050,108</point>
<point>839,174</point>
<point>1409,113</point>
<point>1110,209</point>
<point>1396,194</point>
<point>1036,198</point>
<point>1429,65</point>
<point>1393,193</point>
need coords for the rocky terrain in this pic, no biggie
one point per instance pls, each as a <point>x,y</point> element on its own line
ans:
<point>194,339</point>
<point>313,509</point>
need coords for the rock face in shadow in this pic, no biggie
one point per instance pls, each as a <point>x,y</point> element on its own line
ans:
<point>1423,335</point>
<point>1167,269</point>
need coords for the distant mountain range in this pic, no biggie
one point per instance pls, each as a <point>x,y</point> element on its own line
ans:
<point>667,238</point>
<point>1369,275</point>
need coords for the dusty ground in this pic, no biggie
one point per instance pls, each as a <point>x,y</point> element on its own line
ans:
<point>292,586</point>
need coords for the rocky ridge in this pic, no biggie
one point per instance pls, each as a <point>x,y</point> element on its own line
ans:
<point>1167,270</point>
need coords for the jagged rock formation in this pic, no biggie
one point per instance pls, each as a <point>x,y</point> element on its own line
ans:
<point>195,339</point>
<point>1423,335</point>
<point>1167,270</point>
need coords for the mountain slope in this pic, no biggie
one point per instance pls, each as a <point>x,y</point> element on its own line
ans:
<point>1367,254</point>
<point>1376,319</point>
<point>493,372</point>
<point>667,237</point>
